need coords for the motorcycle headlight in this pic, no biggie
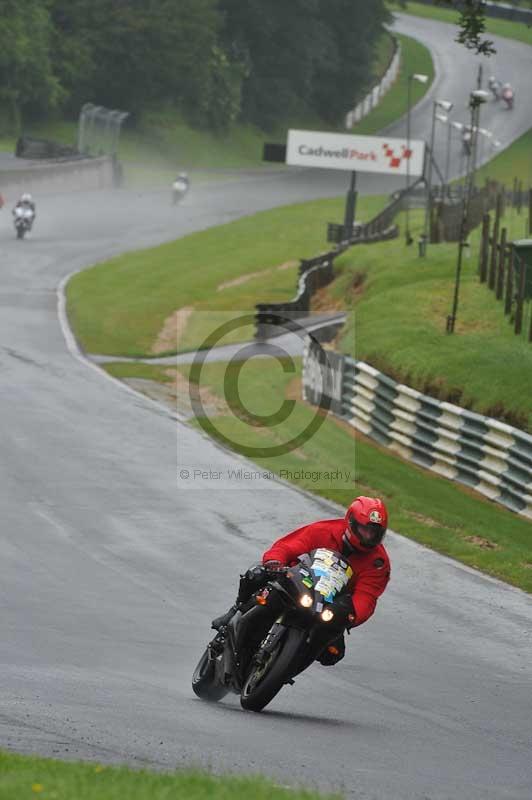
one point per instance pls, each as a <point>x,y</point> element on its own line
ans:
<point>306,600</point>
<point>327,615</point>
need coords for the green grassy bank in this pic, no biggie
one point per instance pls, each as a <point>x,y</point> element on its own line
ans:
<point>401,302</point>
<point>516,161</point>
<point>24,777</point>
<point>120,306</point>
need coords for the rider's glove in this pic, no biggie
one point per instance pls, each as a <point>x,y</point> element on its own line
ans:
<point>345,603</point>
<point>273,566</point>
<point>255,573</point>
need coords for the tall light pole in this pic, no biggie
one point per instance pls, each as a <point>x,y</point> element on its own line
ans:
<point>479,96</point>
<point>446,105</point>
<point>416,76</point>
<point>444,119</point>
<point>476,99</point>
<point>485,135</point>
<point>459,126</point>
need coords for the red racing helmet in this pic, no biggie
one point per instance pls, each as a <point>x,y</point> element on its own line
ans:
<point>366,522</point>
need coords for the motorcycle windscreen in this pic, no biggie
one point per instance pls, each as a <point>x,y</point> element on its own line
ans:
<point>332,573</point>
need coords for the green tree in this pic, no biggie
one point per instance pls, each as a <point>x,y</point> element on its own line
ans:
<point>354,28</point>
<point>280,45</point>
<point>136,54</point>
<point>28,85</point>
<point>472,25</point>
<point>221,102</point>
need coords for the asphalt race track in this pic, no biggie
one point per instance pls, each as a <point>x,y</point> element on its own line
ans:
<point>456,77</point>
<point>111,570</point>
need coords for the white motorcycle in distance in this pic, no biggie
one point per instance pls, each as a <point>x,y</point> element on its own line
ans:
<point>23,220</point>
<point>495,87</point>
<point>507,94</point>
<point>180,187</point>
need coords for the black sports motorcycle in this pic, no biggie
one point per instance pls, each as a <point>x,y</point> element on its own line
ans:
<point>279,632</point>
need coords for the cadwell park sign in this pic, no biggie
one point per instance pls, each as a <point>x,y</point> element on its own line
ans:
<point>355,153</point>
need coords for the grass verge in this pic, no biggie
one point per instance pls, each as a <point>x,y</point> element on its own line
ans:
<point>498,27</point>
<point>427,508</point>
<point>516,160</point>
<point>401,303</point>
<point>27,777</point>
<point>120,306</point>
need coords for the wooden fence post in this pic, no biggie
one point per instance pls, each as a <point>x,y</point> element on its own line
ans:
<point>500,268</point>
<point>484,248</point>
<point>514,193</point>
<point>520,298</point>
<point>530,212</point>
<point>494,243</point>
<point>520,197</point>
<point>509,280</point>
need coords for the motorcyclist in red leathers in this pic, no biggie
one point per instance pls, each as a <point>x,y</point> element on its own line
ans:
<point>358,537</point>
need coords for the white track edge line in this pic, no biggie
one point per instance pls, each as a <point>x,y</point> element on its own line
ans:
<point>76,352</point>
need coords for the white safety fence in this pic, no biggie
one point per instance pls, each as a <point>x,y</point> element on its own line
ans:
<point>374,96</point>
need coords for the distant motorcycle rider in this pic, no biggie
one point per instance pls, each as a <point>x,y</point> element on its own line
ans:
<point>183,177</point>
<point>494,85</point>
<point>26,202</point>
<point>180,187</point>
<point>508,95</point>
<point>358,537</point>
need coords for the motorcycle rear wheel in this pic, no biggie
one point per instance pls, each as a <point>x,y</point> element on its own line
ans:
<point>265,681</point>
<point>203,680</point>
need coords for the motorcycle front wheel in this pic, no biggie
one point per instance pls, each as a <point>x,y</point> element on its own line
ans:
<point>204,683</point>
<point>266,679</point>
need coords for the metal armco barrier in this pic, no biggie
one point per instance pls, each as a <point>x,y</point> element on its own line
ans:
<point>491,457</point>
<point>314,273</point>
